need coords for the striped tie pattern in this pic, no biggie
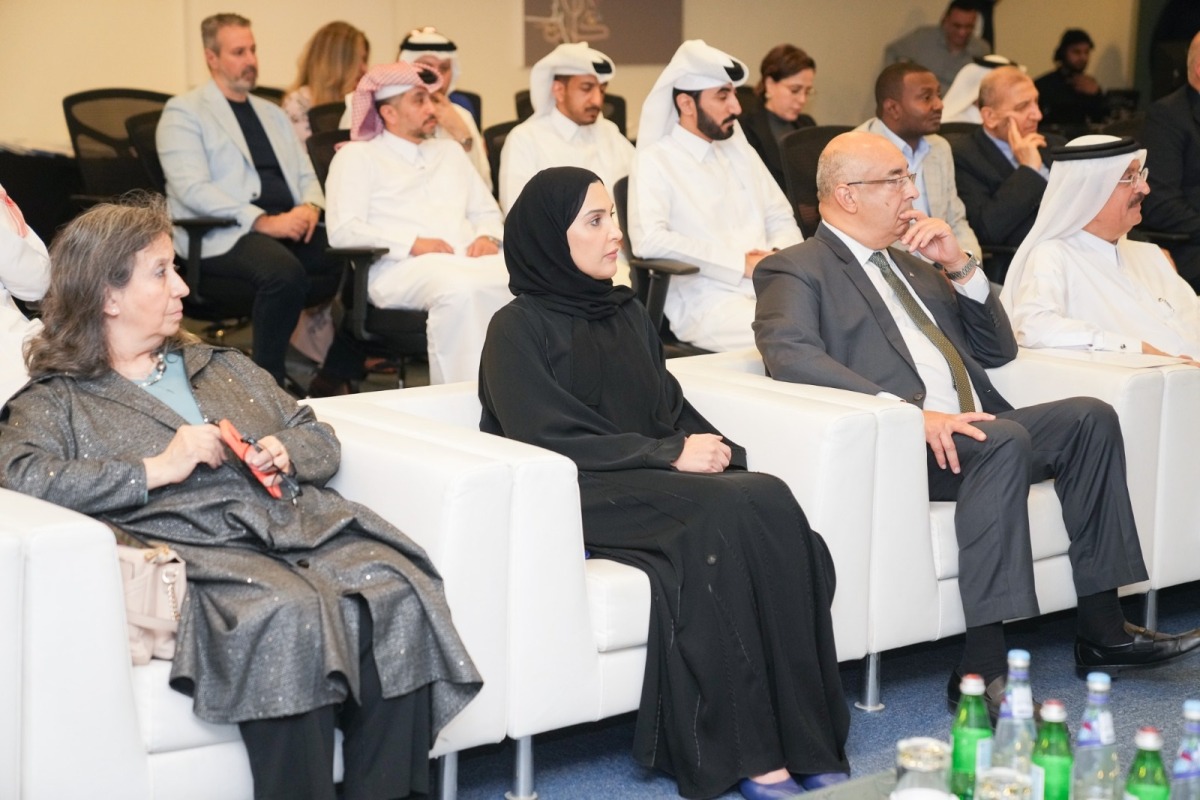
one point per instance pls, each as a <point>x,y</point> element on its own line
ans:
<point>958,370</point>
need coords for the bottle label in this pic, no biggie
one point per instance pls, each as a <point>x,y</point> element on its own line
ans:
<point>1021,698</point>
<point>1187,765</point>
<point>1107,734</point>
<point>1037,782</point>
<point>1097,730</point>
<point>983,754</point>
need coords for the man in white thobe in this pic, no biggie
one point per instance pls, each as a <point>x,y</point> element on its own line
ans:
<point>699,193</point>
<point>395,186</point>
<point>1078,282</point>
<point>567,129</point>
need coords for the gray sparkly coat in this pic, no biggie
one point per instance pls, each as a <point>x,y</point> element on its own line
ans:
<point>269,626</point>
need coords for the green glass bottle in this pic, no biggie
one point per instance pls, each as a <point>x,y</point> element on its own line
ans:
<point>970,738</point>
<point>1052,751</point>
<point>1147,776</point>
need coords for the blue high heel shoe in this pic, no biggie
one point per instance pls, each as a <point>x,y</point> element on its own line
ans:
<point>785,789</point>
<point>820,780</point>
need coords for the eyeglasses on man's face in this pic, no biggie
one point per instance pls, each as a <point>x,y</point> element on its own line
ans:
<point>1141,176</point>
<point>896,183</point>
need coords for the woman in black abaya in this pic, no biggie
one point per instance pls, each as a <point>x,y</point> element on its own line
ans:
<point>741,682</point>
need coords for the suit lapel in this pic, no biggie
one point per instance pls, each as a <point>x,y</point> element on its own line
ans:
<point>992,154</point>
<point>218,105</point>
<point>857,276</point>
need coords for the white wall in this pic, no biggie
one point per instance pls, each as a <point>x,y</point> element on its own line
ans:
<point>52,48</point>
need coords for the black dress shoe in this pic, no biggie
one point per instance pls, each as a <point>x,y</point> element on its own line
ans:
<point>993,697</point>
<point>1148,649</point>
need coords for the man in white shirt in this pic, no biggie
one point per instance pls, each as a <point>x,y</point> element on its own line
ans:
<point>396,186</point>
<point>566,130</point>
<point>908,113</point>
<point>456,120</point>
<point>847,310</point>
<point>24,273</point>
<point>1078,282</point>
<point>700,194</point>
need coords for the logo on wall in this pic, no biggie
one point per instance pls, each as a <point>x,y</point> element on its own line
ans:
<point>628,31</point>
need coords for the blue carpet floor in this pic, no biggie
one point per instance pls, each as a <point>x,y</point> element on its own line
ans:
<point>594,761</point>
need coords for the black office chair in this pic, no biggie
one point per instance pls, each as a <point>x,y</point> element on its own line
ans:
<point>1128,126</point>
<point>493,139</point>
<point>799,151</point>
<point>269,93</point>
<point>614,109</point>
<point>397,334</point>
<point>651,277</point>
<point>950,129</point>
<point>477,106</point>
<point>224,303</point>
<point>747,98</point>
<point>326,116</point>
<point>108,165</point>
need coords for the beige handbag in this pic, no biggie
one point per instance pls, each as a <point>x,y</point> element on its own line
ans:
<point>155,580</point>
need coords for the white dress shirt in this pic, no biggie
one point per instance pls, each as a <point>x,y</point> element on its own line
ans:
<point>388,191</point>
<point>1083,292</point>
<point>553,140</point>
<point>708,204</point>
<point>940,394</point>
<point>24,273</point>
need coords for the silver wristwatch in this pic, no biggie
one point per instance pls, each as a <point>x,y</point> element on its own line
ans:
<point>971,265</point>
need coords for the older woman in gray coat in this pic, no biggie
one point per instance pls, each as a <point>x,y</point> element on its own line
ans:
<point>303,613</point>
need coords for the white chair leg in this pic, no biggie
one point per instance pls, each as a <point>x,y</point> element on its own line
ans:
<point>1151,620</point>
<point>523,771</point>
<point>870,693</point>
<point>448,777</point>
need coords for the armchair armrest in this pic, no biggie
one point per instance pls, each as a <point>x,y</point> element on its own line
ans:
<point>197,228</point>
<point>355,297</point>
<point>653,280</point>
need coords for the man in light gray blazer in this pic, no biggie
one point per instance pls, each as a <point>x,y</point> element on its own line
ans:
<point>227,153</point>
<point>908,113</point>
<point>845,309</point>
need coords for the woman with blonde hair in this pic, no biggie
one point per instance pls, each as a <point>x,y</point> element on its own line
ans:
<point>329,68</point>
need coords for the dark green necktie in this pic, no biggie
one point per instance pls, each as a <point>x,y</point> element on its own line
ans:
<point>958,370</point>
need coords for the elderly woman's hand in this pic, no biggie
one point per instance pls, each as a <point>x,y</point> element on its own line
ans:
<point>191,446</point>
<point>270,454</point>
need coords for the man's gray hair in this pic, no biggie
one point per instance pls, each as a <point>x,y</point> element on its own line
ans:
<point>211,25</point>
<point>832,169</point>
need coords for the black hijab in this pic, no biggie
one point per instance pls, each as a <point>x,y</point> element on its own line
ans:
<point>536,250</point>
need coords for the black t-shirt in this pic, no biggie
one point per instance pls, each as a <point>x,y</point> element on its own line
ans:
<point>276,197</point>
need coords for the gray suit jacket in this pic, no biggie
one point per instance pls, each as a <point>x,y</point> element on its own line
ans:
<point>209,169</point>
<point>820,320</point>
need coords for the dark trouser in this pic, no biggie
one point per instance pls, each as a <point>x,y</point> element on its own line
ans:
<point>385,748</point>
<point>1078,443</point>
<point>286,277</point>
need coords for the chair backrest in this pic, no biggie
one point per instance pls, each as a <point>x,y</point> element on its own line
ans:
<point>96,119</point>
<point>142,129</point>
<point>1129,126</point>
<point>476,105</point>
<point>949,129</point>
<point>321,149</point>
<point>269,93</point>
<point>747,99</point>
<point>493,139</point>
<point>800,151</point>
<point>614,109</point>
<point>620,192</point>
<point>326,116</point>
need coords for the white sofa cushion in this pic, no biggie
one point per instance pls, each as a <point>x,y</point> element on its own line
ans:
<point>166,717</point>
<point>619,601</point>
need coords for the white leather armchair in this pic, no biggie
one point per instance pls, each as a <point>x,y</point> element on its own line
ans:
<point>577,628</point>
<point>913,575</point>
<point>77,720</point>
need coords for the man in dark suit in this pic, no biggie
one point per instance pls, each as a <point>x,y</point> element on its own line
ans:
<point>1172,135</point>
<point>843,309</point>
<point>1001,169</point>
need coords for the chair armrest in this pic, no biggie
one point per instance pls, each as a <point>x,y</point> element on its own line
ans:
<point>356,299</point>
<point>197,228</point>
<point>655,280</point>
<point>76,693</point>
<point>1161,238</point>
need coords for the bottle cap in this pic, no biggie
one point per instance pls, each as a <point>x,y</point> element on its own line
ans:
<point>1018,658</point>
<point>1054,711</point>
<point>1098,682</point>
<point>972,684</point>
<point>1191,710</point>
<point>1148,738</point>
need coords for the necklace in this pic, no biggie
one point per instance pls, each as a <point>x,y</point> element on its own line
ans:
<point>160,368</point>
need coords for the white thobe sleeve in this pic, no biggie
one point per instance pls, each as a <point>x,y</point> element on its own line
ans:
<point>348,190</point>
